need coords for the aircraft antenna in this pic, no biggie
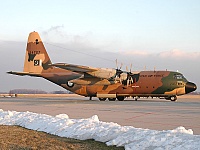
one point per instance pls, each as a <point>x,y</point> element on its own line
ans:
<point>76,51</point>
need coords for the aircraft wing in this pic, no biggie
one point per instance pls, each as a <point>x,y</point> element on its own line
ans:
<point>75,68</point>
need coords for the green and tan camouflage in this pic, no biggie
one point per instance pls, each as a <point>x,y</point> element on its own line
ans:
<point>102,82</point>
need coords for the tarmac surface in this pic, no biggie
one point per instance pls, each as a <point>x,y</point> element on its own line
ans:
<point>156,114</point>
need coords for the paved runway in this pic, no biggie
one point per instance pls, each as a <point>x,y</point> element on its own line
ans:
<point>145,113</point>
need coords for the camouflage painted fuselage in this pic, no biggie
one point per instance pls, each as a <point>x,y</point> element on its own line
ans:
<point>146,83</point>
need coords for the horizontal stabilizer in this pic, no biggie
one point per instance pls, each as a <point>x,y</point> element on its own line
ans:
<point>75,68</point>
<point>24,73</point>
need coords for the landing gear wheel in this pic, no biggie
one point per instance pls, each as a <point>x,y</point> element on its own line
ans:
<point>120,98</point>
<point>102,99</point>
<point>173,98</point>
<point>136,98</point>
<point>111,99</point>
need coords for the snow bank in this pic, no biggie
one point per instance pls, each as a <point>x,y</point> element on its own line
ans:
<point>111,133</point>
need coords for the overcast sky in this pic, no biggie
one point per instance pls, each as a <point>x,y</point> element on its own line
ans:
<point>161,34</point>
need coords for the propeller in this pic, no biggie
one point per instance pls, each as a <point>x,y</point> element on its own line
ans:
<point>129,73</point>
<point>123,76</point>
<point>118,72</point>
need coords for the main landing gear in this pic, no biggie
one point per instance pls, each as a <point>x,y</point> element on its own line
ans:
<point>102,99</point>
<point>119,98</point>
<point>136,98</point>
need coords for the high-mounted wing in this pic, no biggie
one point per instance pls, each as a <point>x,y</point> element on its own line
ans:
<point>103,73</point>
<point>75,68</point>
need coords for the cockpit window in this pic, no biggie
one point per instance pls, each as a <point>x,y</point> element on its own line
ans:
<point>178,76</point>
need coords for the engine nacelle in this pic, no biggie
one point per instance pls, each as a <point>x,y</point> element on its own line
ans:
<point>103,73</point>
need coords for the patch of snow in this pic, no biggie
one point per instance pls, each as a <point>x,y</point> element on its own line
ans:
<point>109,132</point>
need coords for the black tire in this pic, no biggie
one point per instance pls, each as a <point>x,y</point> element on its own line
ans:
<point>111,99</point>
<point>173,98</point>
<point>136,98</point>
<point>120,98</point>
<point>102,99</point>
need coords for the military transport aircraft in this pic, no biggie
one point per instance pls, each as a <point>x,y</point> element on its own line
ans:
<point>103,83</point>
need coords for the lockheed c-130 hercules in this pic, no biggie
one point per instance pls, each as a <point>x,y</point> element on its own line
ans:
<point>103,83</point>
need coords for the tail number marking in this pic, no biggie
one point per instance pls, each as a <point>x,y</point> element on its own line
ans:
<point>34,52</point>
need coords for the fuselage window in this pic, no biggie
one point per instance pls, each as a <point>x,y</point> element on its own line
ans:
<point>179,83</point>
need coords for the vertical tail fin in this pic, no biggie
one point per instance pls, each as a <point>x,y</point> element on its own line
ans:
<point>36,58</point>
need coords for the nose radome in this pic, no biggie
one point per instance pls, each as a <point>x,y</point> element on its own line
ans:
<point>190,87</point>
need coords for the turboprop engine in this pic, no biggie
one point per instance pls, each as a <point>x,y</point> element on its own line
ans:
<point>103,76</point>
<point>103,73</point>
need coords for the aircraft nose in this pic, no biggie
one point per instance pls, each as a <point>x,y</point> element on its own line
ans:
<point>189,87</point>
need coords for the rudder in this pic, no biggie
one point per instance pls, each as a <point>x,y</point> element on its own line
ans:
<point>36,58</point>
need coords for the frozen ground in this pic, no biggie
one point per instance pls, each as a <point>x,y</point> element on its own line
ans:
<point>111,133</point>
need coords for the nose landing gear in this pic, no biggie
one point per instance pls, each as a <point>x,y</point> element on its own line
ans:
<point>172,98</point>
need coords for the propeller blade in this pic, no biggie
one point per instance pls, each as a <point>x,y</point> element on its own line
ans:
<point>129,81</point>
<point>127,68</point>
<point>116,63</point>
<point>121,66</point>
<point>131,67</point>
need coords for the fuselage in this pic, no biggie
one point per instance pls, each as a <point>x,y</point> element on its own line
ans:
<point>144,84</point>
